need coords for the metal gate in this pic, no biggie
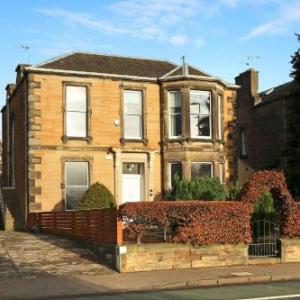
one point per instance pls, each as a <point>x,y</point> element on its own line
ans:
<point>266,241</point>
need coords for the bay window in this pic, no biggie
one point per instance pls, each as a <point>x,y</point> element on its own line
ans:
<point>175,112</point>
<point>200,169</point>
<point>200,114</point>
<point>175,170</point>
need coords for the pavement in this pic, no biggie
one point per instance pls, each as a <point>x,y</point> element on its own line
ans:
<point>47,267</point>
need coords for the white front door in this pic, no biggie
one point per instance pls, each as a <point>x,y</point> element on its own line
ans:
<point>132,182</point>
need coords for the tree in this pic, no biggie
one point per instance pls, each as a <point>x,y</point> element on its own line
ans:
<point>293,147</point>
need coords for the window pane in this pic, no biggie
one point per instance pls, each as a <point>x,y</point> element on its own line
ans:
<point>73,196</point>
<point>77,173</point>
<point>175,113</point>
<point>175,99</point>
<point>201,169</point>
<point>133,102</point>
<point>76,124</point>
<point>76,98</point>
<point>200,125</point>
<point>133,126</point>
<point>176,168</point>
<point>200,102</point>
<point>175,125</point>
<point>131,168</point>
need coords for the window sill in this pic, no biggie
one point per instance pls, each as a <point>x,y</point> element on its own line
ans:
<point>65,139</point>
<point>124,141</point>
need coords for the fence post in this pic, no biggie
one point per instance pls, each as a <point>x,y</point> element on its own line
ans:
<point>119,229</point>
<point>55,225</point>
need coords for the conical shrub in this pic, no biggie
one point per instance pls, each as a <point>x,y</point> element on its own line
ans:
<point>97,196</point>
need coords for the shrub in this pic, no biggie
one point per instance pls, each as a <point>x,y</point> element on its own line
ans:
<point>195,222</point>
<point>234,191</point>
<point>264,208</point>
<point>204,188</point>
<point>97,196</point>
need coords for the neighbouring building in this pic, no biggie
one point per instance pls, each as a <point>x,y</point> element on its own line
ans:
<point>129,123</point>
<point>262,127</point>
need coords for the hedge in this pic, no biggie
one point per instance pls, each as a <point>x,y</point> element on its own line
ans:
<point>195,222</point>
<point>291,227</point>
<point>274,182</point>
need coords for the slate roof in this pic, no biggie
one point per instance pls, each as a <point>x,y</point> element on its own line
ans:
<point>109,64</point>
<point>278,92</point>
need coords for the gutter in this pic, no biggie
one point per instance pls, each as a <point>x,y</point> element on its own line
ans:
<point>93,74</point>
<point>130,77</point>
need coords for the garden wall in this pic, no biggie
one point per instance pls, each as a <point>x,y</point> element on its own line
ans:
<point>165,256</point>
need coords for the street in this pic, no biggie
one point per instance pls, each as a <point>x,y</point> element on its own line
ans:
<point>288,290</point>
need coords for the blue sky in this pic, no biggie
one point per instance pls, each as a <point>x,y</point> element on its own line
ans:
<point>218,36</point>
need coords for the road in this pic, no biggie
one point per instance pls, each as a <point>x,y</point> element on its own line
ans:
<point>254,291</point>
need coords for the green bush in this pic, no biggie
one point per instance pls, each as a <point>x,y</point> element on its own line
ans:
<point>201,188</point>
<point>234,191</point>
<point>97,196</point>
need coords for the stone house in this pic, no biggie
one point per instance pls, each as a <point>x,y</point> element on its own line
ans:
<point>262,129</point>
<point>129,123</point>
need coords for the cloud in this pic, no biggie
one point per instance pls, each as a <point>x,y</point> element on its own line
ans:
<point>284,18</point>
<point>177,22</point>
<point>178,40</point>
<point>81,19</point>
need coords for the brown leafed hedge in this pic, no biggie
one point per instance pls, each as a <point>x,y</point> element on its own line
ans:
<point>291,226</point>
<point>274,182</point>
<point>195,222</point>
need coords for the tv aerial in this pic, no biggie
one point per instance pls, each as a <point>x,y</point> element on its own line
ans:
<point>249,59</point>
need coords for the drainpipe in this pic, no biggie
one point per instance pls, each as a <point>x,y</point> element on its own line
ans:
<point>114,152</point>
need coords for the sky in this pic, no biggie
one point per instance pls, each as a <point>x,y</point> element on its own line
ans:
<point>221,37</point>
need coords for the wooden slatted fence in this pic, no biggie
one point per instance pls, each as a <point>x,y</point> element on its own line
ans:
<point>96,225</point>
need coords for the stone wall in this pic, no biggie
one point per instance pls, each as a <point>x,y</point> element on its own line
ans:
<point>148,257</point>
<point>290,250</point>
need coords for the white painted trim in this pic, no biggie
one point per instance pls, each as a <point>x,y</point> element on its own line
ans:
<point>170,72</point>
<point>141,78</point>
<point>169,116</point>
<point>219,100</point>
<point>198,77</point>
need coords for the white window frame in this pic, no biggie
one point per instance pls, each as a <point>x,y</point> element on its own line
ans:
<point>174,114</point>
<point>141,115</point>
<point>210,115</point>
<point>219,117</point>
<point>76,186</point>
<point>204,163</point>
<point>74,111</point>
<point>170,171</point>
